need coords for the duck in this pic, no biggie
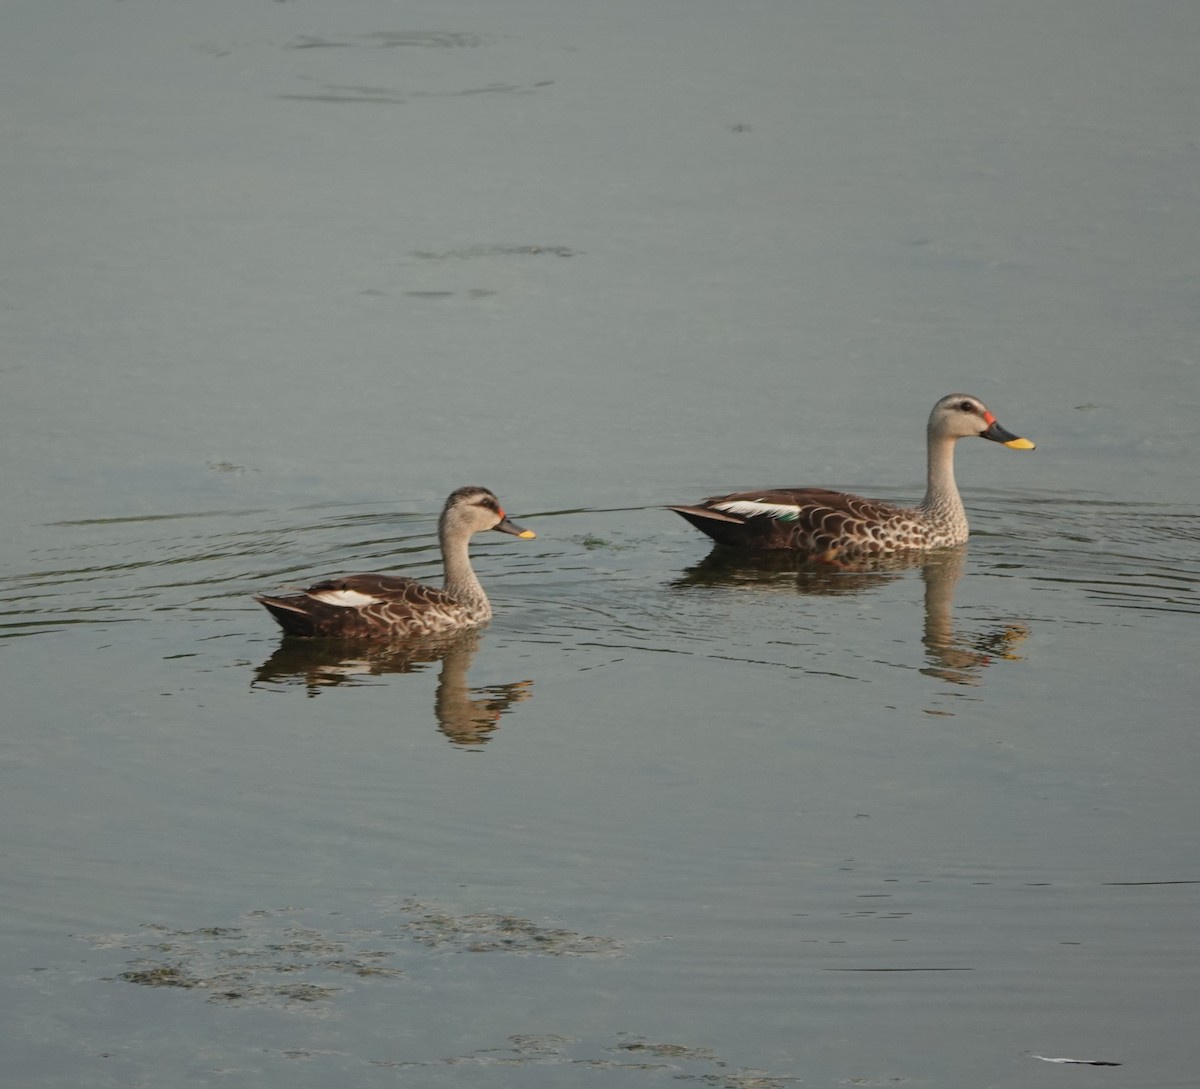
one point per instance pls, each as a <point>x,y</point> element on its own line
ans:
<point>840,528</point>
<point>394,607</point>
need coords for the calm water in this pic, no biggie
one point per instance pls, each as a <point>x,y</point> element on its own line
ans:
<point>280,277</point>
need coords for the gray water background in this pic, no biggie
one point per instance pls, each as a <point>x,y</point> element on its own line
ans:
<point>278,276</point>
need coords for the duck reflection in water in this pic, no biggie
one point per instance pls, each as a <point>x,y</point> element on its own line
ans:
<point>957,656</point>
<point>467,716</point>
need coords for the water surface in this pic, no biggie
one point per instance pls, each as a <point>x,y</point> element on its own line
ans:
<point>279,278</point>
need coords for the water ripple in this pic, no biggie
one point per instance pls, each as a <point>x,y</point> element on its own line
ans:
<point>586,582</point>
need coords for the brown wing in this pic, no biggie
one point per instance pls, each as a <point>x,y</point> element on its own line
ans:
<point>814,521</point>
<point>398,601</point>
<point>389,605</point>
<point>393,588</point>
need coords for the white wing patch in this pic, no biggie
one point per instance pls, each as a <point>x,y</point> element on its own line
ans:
<point>1078,1062</point>
<point>752,508</point>
<point>347,599</point>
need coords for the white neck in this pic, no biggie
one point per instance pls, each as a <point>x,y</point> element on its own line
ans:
<point>942,501</point>
<point>460,579</point>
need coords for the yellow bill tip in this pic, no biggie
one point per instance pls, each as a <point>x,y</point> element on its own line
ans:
<point>528,534</point>
<point>1020,444</point>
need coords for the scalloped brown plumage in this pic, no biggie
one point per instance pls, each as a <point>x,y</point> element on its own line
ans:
<point>838,527</point>
<point>394,607</point>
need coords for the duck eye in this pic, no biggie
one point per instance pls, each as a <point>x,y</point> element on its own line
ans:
<point>966,406</point>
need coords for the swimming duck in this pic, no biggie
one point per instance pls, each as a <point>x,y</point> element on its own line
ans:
<point>836,527</point>
<point>389,606</point>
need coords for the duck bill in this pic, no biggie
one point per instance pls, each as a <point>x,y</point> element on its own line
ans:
<point>509,526</point>
<point>1006,438</point>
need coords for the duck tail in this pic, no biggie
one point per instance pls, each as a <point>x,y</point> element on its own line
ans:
<point>722,528</point>
<point>289,613</point>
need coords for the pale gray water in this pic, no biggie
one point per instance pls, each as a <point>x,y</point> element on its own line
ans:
<point>278,276</point>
